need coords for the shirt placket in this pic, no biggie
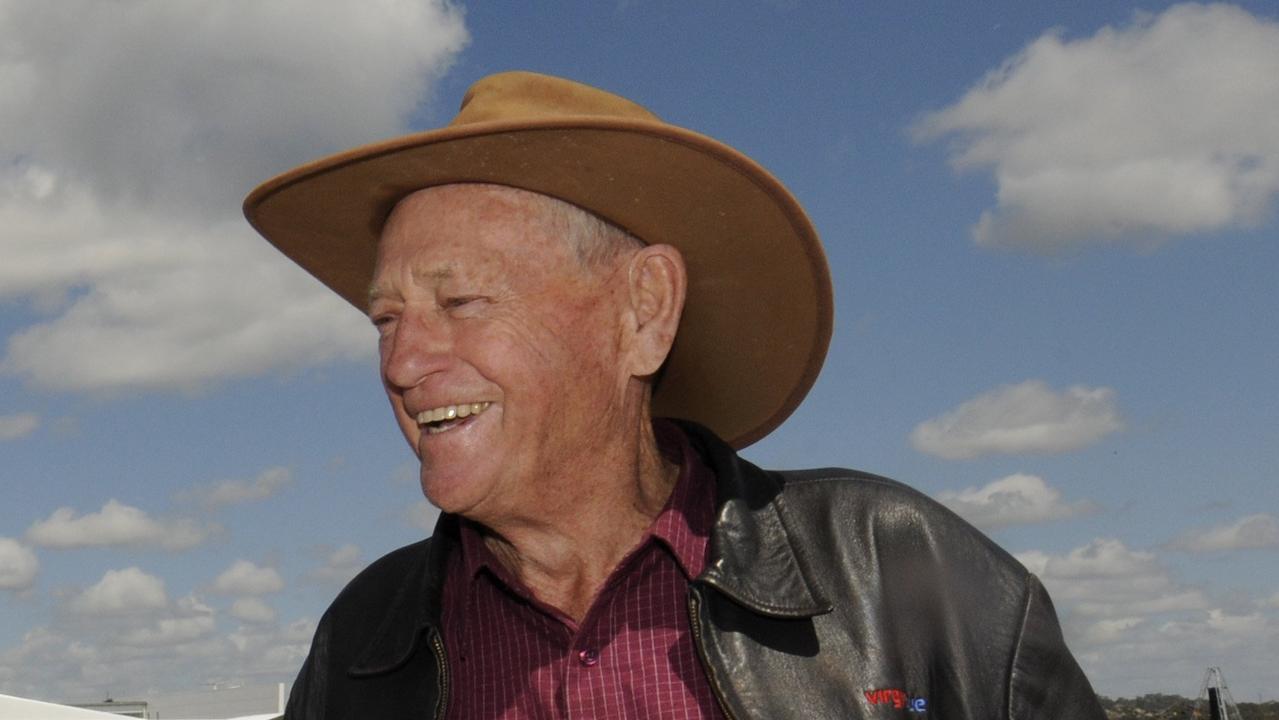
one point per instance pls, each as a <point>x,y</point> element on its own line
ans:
<point>592,676</point>
<point>585,682</point>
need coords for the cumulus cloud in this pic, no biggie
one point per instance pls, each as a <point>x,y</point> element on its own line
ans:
<point>252,610</point>
<point>1108,631</point>
<point>247,578</point>
<point>1252,531</point>
<point>267,650</point>
<point>170,631</point>
<point>1028,417</point>
<point>1018,499</point>
<point>339,566</point>
<point>234,492</point>
<point>1131,624</point>
<point>1148,653</point>
<point>134,128</point>
<point>233,312</point>
<point>1107,579</point>
<point>115,525</point>
<point>165,648</point>
<point>18,565</point>
<point>1155,128</point>
<point>122,592</point>
<point>18,425</point>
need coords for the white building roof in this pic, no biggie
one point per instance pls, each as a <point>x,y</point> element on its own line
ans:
<point>16,708</point>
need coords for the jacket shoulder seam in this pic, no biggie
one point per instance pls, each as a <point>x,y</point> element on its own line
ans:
<point>799,478</point>
<point>1015,651</point>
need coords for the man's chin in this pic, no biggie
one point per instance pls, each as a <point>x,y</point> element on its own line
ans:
<point>453,492</point>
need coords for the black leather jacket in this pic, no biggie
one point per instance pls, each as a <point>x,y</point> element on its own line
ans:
<point>827,594</point>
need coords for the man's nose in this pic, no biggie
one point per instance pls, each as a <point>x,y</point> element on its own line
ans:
<point>420,344</point>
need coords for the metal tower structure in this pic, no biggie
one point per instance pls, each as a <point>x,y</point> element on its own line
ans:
<point>1215,701</point>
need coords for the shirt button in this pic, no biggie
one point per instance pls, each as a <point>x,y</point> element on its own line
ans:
<point>589,657</point>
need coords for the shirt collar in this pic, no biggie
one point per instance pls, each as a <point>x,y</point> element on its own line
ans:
<point>684,525</point>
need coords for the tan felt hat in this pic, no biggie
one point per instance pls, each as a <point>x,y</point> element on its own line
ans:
<point>758,317</point>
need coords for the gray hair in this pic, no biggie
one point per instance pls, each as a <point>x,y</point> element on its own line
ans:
<point>595,241</point>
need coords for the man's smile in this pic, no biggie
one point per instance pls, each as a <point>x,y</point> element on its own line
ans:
<point>447,417</point>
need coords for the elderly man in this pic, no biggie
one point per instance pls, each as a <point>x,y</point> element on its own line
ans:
<point>550,276</point>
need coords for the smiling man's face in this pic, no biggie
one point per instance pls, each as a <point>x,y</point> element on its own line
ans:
<point>499,349</point>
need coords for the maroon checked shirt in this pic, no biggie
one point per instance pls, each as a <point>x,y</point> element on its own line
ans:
<point>511,656</point>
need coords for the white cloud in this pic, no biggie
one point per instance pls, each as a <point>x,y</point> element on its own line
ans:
<point>133,129</point>
<point>1028,417</point>
<point>18,425</point>
<point>170,631</point>
<point>122,592</point>
<point>265,650</point>
<point>1017,499</point>
<point>1145,653</point>
<point>163,649</point>
<point>189,306</point>
<point>1156,128</point>
<point>116,524</point>
<point>252,610</point>
<point>246,578</point>
<point>1131,624</point>
<point>339,566</point>
<point>1242,626</point>
<point>180,625</point>
<point>1109,631</point>
<point>18,565</point>
<point>234,492</point>
<point>1252,531</point>
<point>1106,579</point>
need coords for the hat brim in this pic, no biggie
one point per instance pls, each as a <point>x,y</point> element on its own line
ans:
<point>758,317</point>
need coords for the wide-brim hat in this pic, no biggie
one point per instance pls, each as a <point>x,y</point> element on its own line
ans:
<point>758,317</point>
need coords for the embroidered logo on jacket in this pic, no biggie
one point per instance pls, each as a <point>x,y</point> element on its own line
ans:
<point>896,698</point>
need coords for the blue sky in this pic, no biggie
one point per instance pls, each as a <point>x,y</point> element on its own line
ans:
<point>1051,231</point>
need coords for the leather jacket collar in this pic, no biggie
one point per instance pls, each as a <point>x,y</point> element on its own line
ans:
<point>752,558</point>
<point>416,605</point>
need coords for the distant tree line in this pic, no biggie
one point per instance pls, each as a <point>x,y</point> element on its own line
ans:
<point>1158,706</point>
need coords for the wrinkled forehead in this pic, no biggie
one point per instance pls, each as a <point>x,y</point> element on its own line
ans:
<point>472,210</point>
<point>482,202</point>
<point>435,231</point>
<point>521,214</point>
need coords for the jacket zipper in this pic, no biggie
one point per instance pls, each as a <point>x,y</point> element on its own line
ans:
<point>711,676</point>
<point>442,677</point>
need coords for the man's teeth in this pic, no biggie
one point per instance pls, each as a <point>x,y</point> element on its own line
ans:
<point>451,412</point>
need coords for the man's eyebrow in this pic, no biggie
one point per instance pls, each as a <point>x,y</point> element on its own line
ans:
<point>376,292</point>
<point>435,274</point>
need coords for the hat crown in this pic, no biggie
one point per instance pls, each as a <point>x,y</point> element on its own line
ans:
<point>519,95</point>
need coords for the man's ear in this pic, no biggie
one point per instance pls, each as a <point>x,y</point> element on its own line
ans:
<point>656,284</point>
